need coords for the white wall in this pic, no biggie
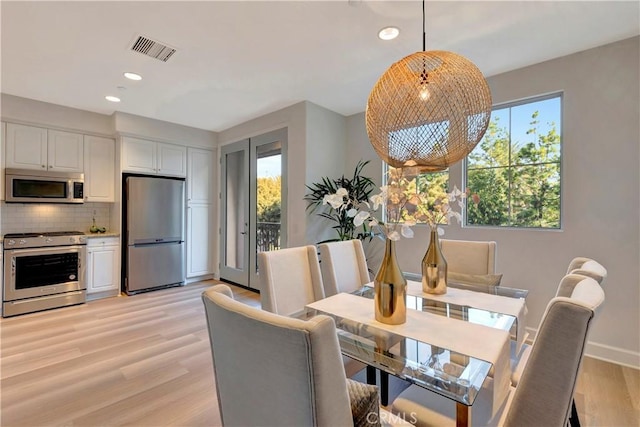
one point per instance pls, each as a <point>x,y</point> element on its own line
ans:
<point>326,156</point>
<point>132,125</point>
<point>31,112</point>
<point>600,191</point>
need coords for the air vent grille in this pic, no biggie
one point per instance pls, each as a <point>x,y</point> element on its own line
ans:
<point>152,48</point>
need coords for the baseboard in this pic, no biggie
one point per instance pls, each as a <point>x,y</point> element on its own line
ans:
<point>615,355</point>
<point>199,278</point>
<point>604,352</point>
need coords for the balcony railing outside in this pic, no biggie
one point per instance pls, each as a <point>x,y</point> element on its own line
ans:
<point>268,236</point>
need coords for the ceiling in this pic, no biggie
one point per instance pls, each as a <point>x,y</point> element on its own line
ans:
<point>239,60</point>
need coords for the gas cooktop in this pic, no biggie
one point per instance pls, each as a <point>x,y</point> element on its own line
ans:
<point>47,233</point>
<point>46,239</point>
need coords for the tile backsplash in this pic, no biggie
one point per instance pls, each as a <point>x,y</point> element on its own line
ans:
<point>39,217</point>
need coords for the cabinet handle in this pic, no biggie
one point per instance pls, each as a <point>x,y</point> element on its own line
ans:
<point>43,166</point>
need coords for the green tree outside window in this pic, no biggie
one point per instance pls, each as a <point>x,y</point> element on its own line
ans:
<point>515,169</point>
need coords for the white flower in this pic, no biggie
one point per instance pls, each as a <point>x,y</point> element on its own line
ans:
<point>342,192</point>
<point>406,231</point>
<point>360,217</point>
<point>335,200</point>
<point>352,212</point>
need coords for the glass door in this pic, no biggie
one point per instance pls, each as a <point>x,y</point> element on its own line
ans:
<point>234,220</point>
<point>255,167</point>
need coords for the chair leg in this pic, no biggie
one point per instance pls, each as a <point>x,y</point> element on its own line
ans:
<point>574,421</point>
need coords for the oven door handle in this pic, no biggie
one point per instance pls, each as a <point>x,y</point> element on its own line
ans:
<point>45,250</point>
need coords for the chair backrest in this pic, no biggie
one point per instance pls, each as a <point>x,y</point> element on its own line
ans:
<point>343,265</point>
<point>545,391</point>
<point>274,370</point>
<point>469,257</point>
<point>587,267</point>
<point>289,279</point>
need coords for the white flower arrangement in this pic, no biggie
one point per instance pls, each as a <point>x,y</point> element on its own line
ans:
<point>405,206</point>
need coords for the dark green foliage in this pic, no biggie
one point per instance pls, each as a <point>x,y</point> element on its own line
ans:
<point>359,189</point>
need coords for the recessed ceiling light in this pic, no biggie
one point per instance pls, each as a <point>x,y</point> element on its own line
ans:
<point>112,98</point>
<point>388,33</point>
<point>133,76</point>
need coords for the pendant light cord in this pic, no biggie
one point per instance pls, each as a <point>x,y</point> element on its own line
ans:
<point>424,33</point>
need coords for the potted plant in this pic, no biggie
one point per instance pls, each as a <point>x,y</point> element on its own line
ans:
<point>357,188</point>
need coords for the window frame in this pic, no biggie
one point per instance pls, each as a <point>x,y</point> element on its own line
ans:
<point>560,129</point>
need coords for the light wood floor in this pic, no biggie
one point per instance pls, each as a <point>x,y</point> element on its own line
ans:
<point>145,361</point>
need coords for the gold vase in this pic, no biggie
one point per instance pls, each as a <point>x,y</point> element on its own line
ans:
<point>434,267</point>
<point>390,289</point>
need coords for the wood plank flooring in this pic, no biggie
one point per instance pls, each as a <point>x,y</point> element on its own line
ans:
<point>145,361</point>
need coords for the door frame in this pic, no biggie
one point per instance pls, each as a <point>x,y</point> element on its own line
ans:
<point>248,275</point>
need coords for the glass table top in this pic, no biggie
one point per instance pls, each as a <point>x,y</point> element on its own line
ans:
<point>455,375</point>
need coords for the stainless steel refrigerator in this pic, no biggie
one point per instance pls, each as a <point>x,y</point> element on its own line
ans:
<point>154,232</point>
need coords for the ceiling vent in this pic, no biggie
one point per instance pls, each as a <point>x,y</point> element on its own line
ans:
<point>152,48</point>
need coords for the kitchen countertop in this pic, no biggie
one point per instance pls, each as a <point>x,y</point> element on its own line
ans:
<point>98,235</point>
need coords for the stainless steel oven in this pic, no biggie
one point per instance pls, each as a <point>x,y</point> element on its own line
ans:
<point>42,271</point>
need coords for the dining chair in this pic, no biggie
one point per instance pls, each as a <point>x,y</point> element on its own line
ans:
<point>279,371</point>
<point>587,267</point>
<point>344,266</point>
<point>471,262</point>
<point>544,394</point>
<point>290,279</point>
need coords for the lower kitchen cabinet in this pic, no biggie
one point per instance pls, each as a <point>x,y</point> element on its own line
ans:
<point>103,267</point>
<point>199,240</point>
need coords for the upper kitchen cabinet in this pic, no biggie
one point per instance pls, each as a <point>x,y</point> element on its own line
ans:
<point>30,147</point>
<point>200,177</point>
<point>144,156</point>
<point>99,169</point>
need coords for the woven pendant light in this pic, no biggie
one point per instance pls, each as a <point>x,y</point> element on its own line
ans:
<point>428,110</point>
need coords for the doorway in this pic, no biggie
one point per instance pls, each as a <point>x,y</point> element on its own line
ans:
<point>253,204</point>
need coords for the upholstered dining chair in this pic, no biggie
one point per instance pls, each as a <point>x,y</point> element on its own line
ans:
<point>343,265</point>
<point>544,394</point>
<point>471,261</point>
<point>587,267</point>
<point>290,279</point>
<point>272,370</point>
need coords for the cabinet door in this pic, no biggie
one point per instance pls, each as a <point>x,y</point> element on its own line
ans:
<point>65,151</point>
<point>172,160</point>
<point>199,240</point>
<point>103,269</point>
<point>26,147</point>
<point>99,169</point>
<point>138,155</point>
<point>200,176</point>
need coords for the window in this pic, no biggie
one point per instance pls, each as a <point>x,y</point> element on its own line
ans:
<point>515,169</point>
<point>431,183</point>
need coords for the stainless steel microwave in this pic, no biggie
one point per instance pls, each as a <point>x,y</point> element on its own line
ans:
<point>33,186</point>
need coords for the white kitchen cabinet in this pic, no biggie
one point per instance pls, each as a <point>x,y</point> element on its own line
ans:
<point>199,241</point>
<point>103,266</point>
<point>26,147</point>
<point>99,169</point>
<point>65,151</point>
<point>144,156</point>
<point>31,147</point>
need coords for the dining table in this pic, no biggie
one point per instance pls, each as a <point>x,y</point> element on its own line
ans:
<point>458,344</point>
